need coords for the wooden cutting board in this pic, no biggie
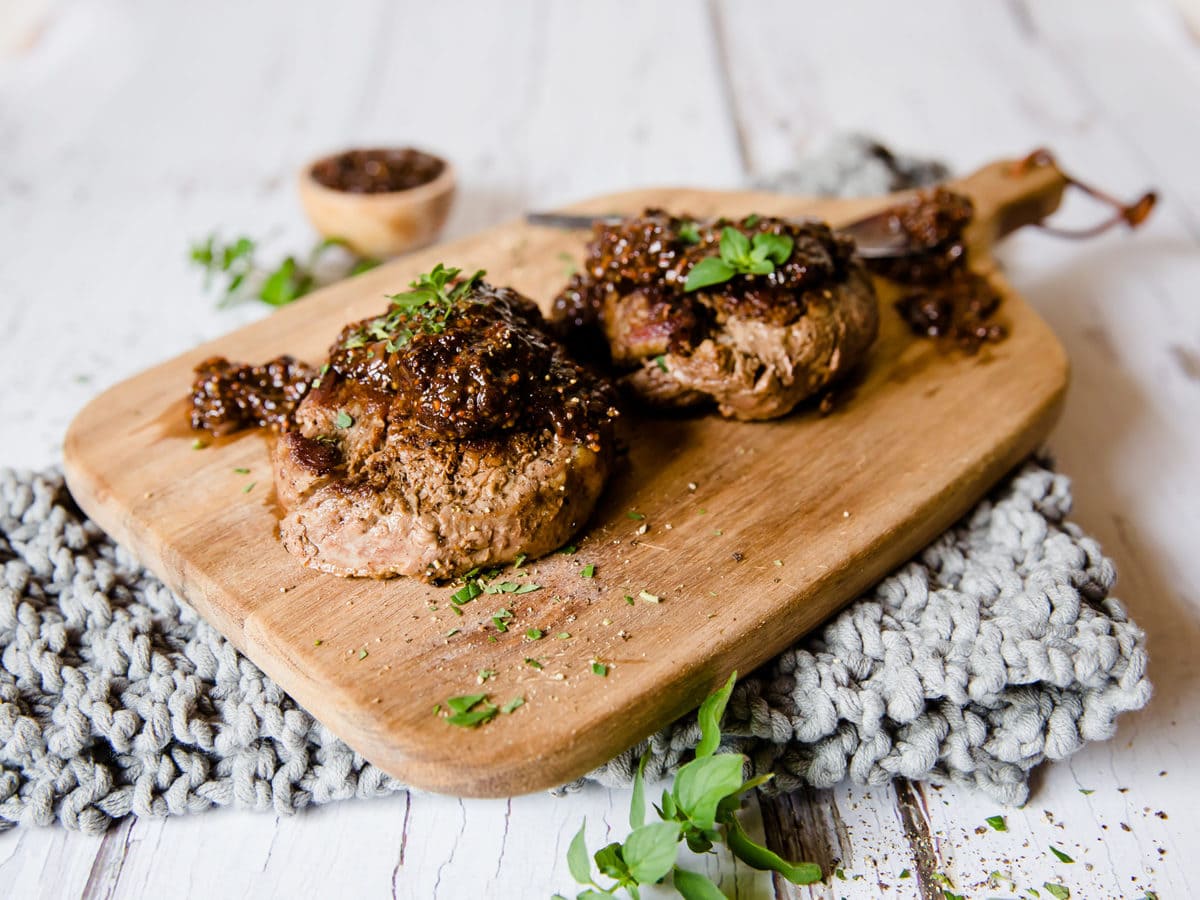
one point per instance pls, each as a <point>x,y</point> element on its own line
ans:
<point>756,531</point>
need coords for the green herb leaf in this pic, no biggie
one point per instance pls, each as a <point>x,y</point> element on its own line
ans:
<point>694,886</point>
<point>765,860</point>
<point>703,783</point>
<point>1086,791</point>
<point>650,851</point>
<point>1062,856</point>
<point>637,803</point>
<point>661,362</point>
<point>689,233</point>
<point>563,635</point>
<point>513,704</point>
<point>577,857</point>
<point>568,549</point>
<point>248,488</point>
<point>241,470</point>
<point>774,247</point>
<point>629,599</point>
<point>1057,891</point>
<point>533,663</point>
<point>534,634</point>
<point>649,597</point>
<point>465,702</point>
<point>706,273</point>
<point>344,419</point>
<point>734,245</point>
<point>599,668</point>
<point>527,588</point>
<point>709,718</point>
<point>610,860</point>
<point>587,571</point>
<point>635,515</point>
<point>904,873</point>
<point>998,823</point>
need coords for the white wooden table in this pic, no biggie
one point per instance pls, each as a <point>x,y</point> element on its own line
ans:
<point>129,129</point>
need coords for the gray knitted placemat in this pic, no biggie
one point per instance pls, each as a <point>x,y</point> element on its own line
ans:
<point>997,648</point>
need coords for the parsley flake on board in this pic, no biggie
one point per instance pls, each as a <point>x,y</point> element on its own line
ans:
<point>344,419</point>
<point>998,823</point>
<point>512,704</point>
<point>534,634</point>
<point>1062,857</point>
<point>599,668</point>
<point>587,571</point>
<point>1057,891</point>
<point>470,710</point>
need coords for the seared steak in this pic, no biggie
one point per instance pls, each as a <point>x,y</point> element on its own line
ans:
<point>448,433</point>
<point>775,327</point>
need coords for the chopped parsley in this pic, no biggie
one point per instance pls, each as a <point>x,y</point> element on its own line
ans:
<point>635,515</point>
<point>998,823</point>
<point>534,634</point>
<point>1057,891</point>
<point>362,654</point>
<point>513,704</point>
<point>470,710</point>
<point>248,488</point>
<point>587,571</point>
<point>344,419</point>
<point>1062,857</point>
<point>649,597</point>
<point>599,668</point>
<point>198,444</point>
<point>533,663</point>
<point>241,470</point>
<point>661,362</point>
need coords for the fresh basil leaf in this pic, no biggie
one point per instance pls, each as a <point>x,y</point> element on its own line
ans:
<point>637,804</point>
<point>694,886</point>
<point>775,247</point>
<point>703,783</point>
<point>668,805</point>
<point>709,718</point>
<point>610,862</point>
<point>1062,857</point>
<point>998,823</point>
<point>650,851</point>
<point>577,857</point>
<point>735,246</point>
<point>1057,890</point>
<point>708,272</point>
<point>766,860</point>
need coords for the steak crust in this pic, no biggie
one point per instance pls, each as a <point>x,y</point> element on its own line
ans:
<point>443,437</point>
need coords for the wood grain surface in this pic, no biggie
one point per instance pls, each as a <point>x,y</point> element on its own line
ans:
<point>753,533</point>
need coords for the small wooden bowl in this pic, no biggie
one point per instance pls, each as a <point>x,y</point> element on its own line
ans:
<point>379,225</point>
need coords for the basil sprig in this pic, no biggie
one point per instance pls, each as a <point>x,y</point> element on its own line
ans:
<point>740,255</point>
<point>700,809</point>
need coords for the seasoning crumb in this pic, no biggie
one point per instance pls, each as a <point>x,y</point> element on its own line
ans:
<point>649,597</point>
<point>779,562</point>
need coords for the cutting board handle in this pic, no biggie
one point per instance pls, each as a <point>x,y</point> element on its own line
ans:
<point>1011,194</point>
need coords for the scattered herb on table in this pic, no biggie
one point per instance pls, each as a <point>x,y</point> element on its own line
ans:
<point>512,704</point>
<point>1086,791</point>
<point>563,635</point>
<point>362,654</point>
<point>587,571</point>
<point>740,255</point>
<point>661,362</point>
<point>534,634</point>
<point>244,278</point>
<point>629,599</point>
<point>485,674</point>
<point>998,823</point>
<point>1057,891</point>
<point>241,470</point>
<point>248,488</point>
<point>649,597</point>
<point>198,444</point>
<point>568,549</point>
<point>904,873</point>
<point>635,515</point>
<point>599,668</point>
<point>500,619</point>
<point>1062,857</point>
<point>533,663</point>
<point>700,809</point>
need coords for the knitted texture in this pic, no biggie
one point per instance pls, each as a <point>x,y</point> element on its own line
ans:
<point>996,649</point>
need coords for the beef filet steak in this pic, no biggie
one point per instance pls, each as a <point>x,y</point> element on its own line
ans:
<point>451,432</point>
<point>757,342</point>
